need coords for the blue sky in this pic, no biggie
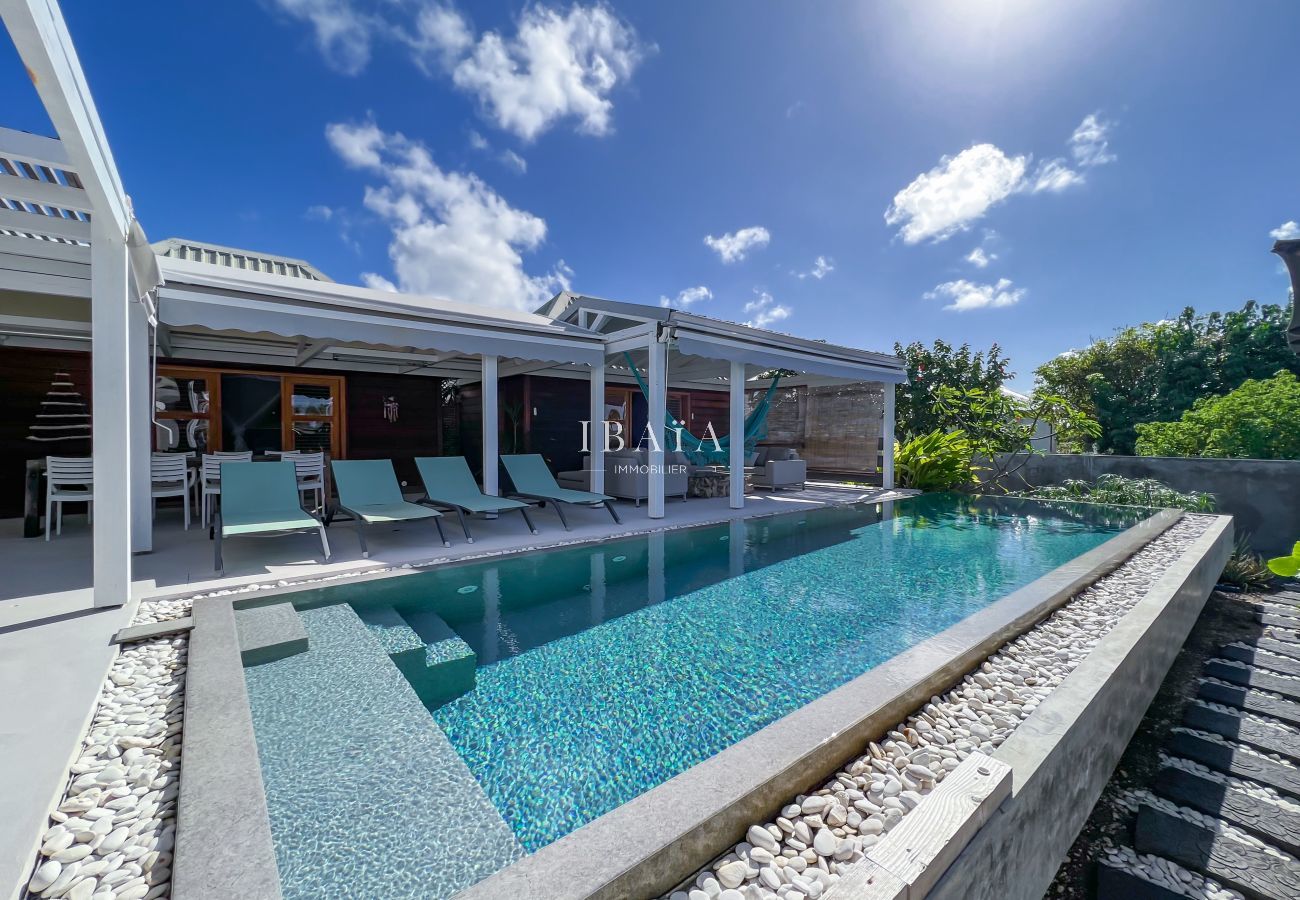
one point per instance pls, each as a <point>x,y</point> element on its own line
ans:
<point>1112,162</point>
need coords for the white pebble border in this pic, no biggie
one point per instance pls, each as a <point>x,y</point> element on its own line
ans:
<point>819,835</point>
<point>1260,792</point>
<point>1167,874</point>
<point>112,835</point>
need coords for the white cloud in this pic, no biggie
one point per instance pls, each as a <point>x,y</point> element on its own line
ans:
<point>970,295</point>
<point>765,310</point>
<point>1055,176</point>
<point>514,161</point>
<point>557,65</point>
<point>687,297</point>
<point>961,189</point>
<point>733,246</point>
<point>1089,143</point>
<point>477,141</point>
<point>453,236</point>
<point>822,266</point>
<point>378,282</point>
<point>343,34</point>
<point>1287,231</point>
<point>980,258</point>
<point>319,213</point>
<point>794,109</point>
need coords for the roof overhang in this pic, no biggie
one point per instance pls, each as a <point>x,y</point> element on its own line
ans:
<point>225,301</point>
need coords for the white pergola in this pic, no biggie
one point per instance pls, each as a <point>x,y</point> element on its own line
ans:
<point>67,231</point>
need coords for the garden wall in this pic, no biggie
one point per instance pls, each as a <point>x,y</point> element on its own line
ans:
<point>1262,494</point>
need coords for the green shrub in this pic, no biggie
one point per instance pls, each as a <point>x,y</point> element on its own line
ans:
<point>938,461</point>
<point>1286,566</point>
<point>1244,568</point>
<point>1117,490</point>
<point>1259,420</point>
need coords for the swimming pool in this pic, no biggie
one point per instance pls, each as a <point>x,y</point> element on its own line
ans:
<point>443,724</point>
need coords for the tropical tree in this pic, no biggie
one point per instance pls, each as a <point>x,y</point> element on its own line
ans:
<point>1258,420</point>
<point>930,369</point>
<point>1153,371</point>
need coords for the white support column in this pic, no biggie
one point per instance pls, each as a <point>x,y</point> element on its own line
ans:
<point>657,379</point>
<point>111,413</point>
<point>596,438</point>
<point>887,433</point>
<point>490,419</point>
<point>139,374</point>
<point>736,436</point>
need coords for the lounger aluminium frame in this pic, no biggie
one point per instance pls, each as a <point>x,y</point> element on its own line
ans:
<point>449,482</point>
<point>369,493</point>
<point>261,498</point>
<point>533,479</point>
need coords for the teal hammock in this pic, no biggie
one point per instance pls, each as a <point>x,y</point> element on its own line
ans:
<point>700,451</point>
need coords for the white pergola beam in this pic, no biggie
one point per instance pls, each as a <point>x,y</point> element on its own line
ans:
<point>596,429</point>
<point>42,40</point>
<point>657,387</point>
<point>309,350</point>
<point>33,148</point>
<point>887,434</point>
<point>490,435</point>
<point>44,193</point>
<point>54,226</point>
<point>736,437</point>
<point>111,419</point>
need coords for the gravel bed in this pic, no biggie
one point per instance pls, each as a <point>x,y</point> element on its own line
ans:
<point>817,836</point>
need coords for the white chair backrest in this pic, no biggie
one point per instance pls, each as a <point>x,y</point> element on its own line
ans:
<point>167,467</point>
<point>69,469</point>
<point>212,463</point>
<point>308,465</point>
<point>284,454</point>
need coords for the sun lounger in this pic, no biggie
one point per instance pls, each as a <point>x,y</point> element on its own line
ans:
<point>448,481</point>
<point>369,492</point>
<point>262,498</point>
<point>533,479</point>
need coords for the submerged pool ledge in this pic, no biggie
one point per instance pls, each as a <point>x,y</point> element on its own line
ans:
<point>647,845</point>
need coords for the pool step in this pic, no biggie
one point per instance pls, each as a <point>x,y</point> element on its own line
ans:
<point>438,664</point>
<point>269,632</point>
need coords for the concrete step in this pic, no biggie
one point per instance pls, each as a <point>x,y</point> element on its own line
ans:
<point>1252,701</point>
<point>1268,821</point>
<point>1256,678</point>
<point>1260,658</point>
<point>397,637</point>
<point>1235,864</point>
<point>1113,882</point>
<point>1243,729</point>
<point>1235,759</point>
<point>449,662</point>
<point>269,632</point>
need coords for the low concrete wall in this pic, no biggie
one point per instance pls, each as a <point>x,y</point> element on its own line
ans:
<point>1263,495</point>
<point>1063,755</point>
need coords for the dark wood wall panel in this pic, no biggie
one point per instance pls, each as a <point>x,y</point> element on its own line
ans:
<point>25,379</point>
<point>416,431</point>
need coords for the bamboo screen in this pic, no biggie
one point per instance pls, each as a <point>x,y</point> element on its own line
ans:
<point>836,428</point>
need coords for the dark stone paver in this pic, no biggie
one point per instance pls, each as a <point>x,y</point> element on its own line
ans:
<point>1252,701</point>
<point>1278,621</point>
<point>1269,822</point>
<point>1282,778</point>
<point>1255,678</point>
<point>1243,730</point>
<point>1112,883</point>
<point>1233,863</point>
<point>1272,661</point>
<point>1285,648</point>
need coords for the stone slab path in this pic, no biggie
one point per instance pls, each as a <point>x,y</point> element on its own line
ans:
<point>1223,817</point>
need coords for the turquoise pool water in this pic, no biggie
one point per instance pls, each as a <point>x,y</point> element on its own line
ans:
<point>603,671</point>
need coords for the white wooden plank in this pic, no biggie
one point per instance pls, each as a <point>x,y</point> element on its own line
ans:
<point>33,148</point>
<point>41,249</point>
<point>29,190</point>
<point>919,850</point>
<point>55,226</point>
<point>865,880</point>
<point>736,448</point>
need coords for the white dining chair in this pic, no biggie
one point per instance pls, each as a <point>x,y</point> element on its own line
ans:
<point>210,478</point>
<point>68,479</point>
<point>310,468</point>
<point>171,476</point>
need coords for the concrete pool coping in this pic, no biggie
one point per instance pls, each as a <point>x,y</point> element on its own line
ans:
<point>647,845</point>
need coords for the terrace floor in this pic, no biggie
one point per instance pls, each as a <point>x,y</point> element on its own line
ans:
<point>55,645</point>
